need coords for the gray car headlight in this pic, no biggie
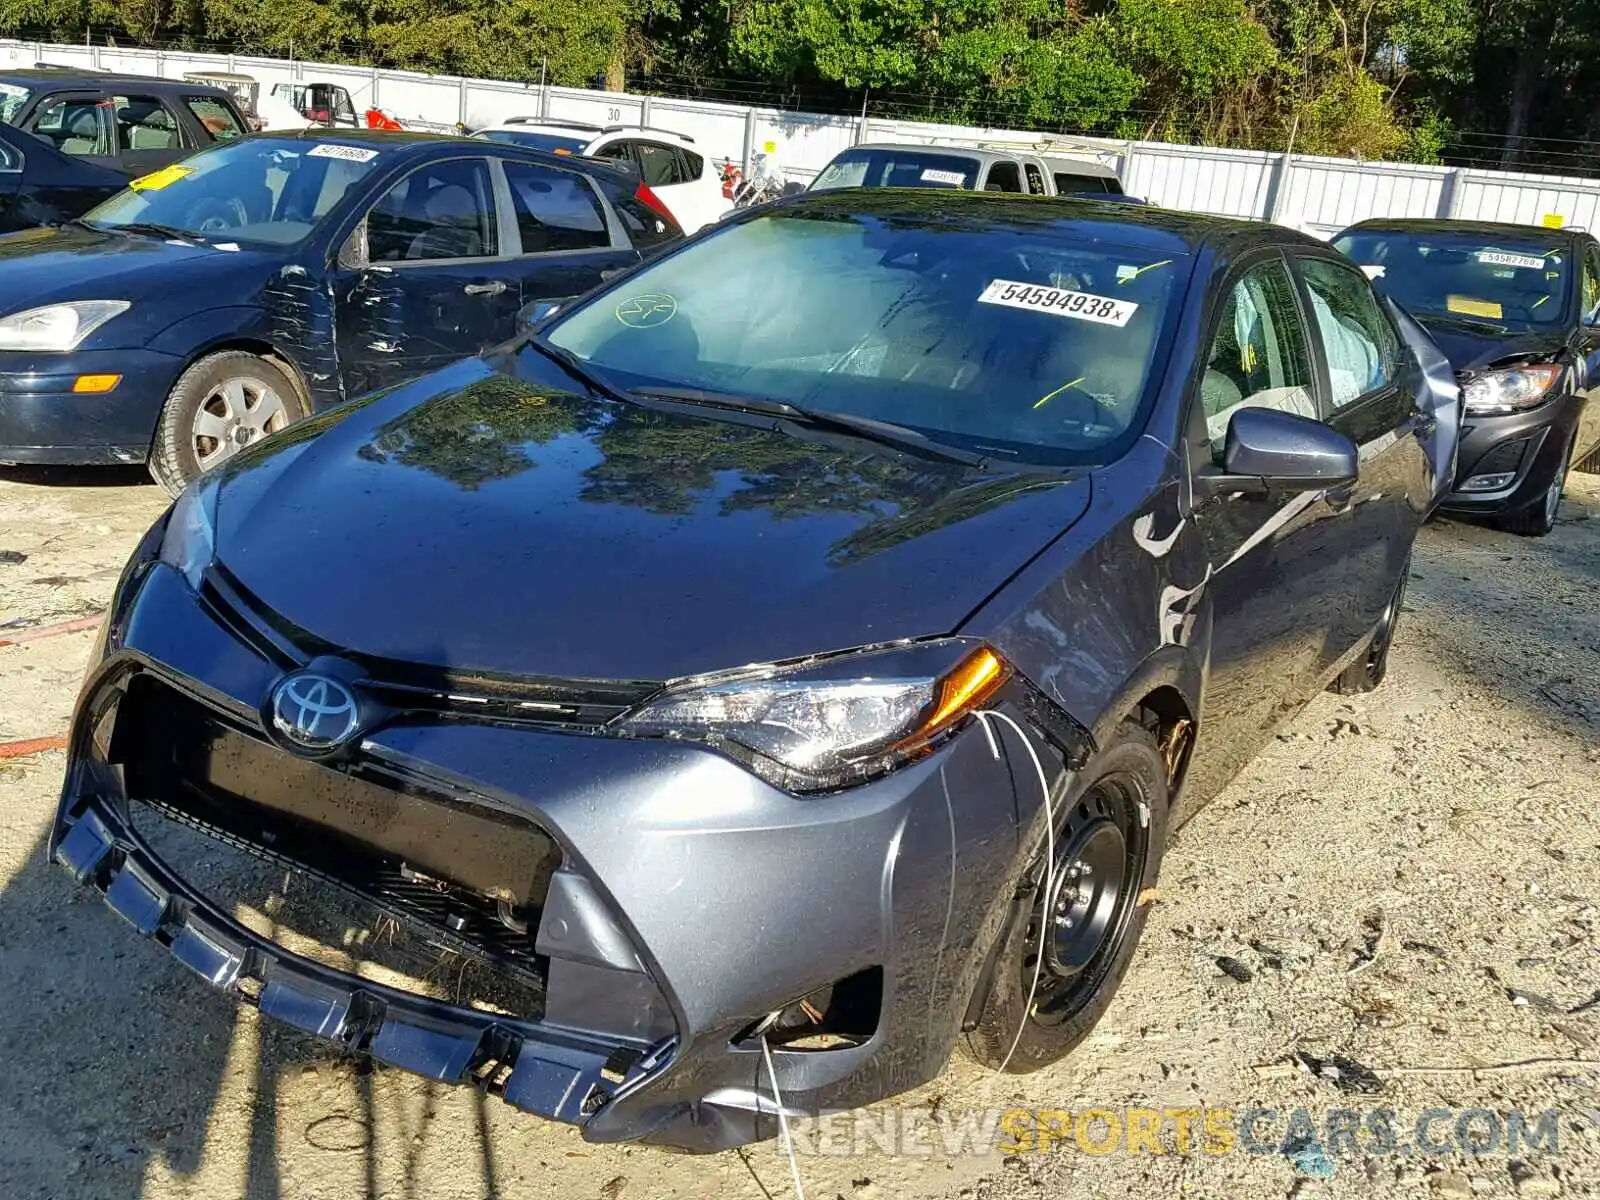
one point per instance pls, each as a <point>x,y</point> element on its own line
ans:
<point>191,538</point>
<point>826,726</point>
<point>57,327</point>
<point>1509,391</point>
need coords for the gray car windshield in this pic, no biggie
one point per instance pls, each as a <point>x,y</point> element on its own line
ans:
<point>1468,276</point>
<point>256,191</point>
<point>13,99</point>
<point>897,168</point>
<point>1016,341</point>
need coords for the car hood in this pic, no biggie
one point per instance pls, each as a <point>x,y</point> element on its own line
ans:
<point>1472,347</point>
<point>49,265</point>
<point>478,522</point>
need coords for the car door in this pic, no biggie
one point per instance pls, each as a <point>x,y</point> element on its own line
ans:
<point>39,185</point>
<point>78,124</point>
<point>427,276</point>
<point>147,134</point>
<point>566,240</point>
<point>11,165</point>
<point>1588,441</point>
<point>1268,615</point>
<point>1371,394</point>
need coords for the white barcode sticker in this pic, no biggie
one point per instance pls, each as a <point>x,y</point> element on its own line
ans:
<point>935,175</point>
<point>1373,272</point>
<point>1081,306</point>
<point>1499,258</point>
<point>348,153</point>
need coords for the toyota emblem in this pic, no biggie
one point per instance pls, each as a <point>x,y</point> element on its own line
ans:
<point>314,712</point>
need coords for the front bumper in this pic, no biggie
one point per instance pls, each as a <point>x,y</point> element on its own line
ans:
<point>44,422</point>
<point>735,900</point>
<point>1529,446</point>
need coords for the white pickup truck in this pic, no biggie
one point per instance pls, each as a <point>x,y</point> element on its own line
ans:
<point>982,169</point>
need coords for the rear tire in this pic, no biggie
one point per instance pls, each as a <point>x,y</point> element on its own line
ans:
<point>1112,821</point>
<point>1368,673</point>
<point>221,404</point>
<point>1539,518</point>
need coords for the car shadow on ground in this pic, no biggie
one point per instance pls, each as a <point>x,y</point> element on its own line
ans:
<point>126,1077</point>
<point>132,475</point>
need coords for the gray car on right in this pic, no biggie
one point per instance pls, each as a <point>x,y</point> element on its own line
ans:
<point>1516,309</point>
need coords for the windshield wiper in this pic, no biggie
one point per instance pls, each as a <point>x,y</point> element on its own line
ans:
<point>887,432</point>
<point>151,229</point>
<point>582,372</point>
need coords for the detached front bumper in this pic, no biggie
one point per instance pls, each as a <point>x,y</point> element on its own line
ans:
<point>44,422</point>
<point>1528,447</point>
<point>692,899</point>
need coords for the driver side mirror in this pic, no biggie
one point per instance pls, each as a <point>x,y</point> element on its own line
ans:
<point>1271,451</point>
<point>534,315</point>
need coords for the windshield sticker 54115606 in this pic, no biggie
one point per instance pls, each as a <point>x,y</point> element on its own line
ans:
<point>1080,306</point>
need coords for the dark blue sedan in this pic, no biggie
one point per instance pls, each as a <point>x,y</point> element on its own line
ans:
<point>222,298</point>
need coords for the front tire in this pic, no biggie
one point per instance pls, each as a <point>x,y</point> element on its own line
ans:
<point>1369,672</point>
<point>221,404</point>
<point>1110,831</point>
<point>1539,518</point>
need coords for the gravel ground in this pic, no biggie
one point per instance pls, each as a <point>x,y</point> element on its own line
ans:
<point>1402,889</point>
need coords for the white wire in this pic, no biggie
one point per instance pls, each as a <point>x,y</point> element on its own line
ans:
<point>783,1120</point>
<point>1050,867</point>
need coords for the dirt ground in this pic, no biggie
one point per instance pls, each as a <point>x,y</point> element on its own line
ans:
<point>1405,887</point>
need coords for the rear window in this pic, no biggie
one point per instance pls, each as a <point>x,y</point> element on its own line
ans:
<point>645,226</point>
<point>867,167</point>
<point>215,117</point>
<point>1072,185</point>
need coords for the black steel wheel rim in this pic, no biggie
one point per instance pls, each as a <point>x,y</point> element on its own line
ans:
<point>1081,919</point>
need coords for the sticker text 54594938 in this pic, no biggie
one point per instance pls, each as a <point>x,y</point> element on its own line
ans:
<point>1081,306</point>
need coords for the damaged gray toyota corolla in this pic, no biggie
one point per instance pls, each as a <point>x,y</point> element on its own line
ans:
<point>730,692</point>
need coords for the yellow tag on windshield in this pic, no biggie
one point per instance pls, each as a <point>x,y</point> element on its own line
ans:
<point>157,180</point>
<point>1473,308</point>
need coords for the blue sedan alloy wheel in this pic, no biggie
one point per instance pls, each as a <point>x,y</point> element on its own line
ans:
<point>220,405</point>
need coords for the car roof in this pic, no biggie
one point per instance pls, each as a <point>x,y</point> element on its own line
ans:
<point>405,144</point>
<point>1421,225</point>
<point>1140,226</point>
<point>65,79</point>
<point>988,154</point>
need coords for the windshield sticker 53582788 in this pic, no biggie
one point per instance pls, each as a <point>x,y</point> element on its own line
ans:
<point>1080,306</point>
<point>1499,258</point>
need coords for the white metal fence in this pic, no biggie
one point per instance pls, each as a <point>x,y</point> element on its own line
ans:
<point>1319,194</point>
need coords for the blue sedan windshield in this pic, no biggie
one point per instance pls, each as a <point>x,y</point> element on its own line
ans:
<point>261,191</point>
<point>1012,340</point>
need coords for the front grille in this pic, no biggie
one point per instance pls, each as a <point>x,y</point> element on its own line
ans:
<point>412,688</point>
<point>472,878</point>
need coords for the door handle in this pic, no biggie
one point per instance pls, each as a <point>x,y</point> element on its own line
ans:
<point>493,288</point>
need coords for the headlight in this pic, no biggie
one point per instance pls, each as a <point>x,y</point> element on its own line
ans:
<point>57,326</point>
<point>190,541</point>
<point>1509,391</point>
<point>832,724</point>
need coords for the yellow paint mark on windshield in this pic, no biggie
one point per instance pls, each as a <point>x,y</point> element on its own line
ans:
<point>1063,388</point>
<point>1539,301</point>
<point>157,180</point>
<point>1473,308</point>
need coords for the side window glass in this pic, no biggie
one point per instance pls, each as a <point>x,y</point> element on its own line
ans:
<point>556,210</point>
<point>1362,347</point>
<point>693,164</point>
<point>1004,177</point>
<point>645,227</point>
<point>1259,354</point>
<point>659,166</point>
<point>1035,180</point>
<point>144,123</point>
<point>73,126</point>
<point>617,151</point>
<point>216,118</point>
<point>1591,286</point>
<point>440,211</point>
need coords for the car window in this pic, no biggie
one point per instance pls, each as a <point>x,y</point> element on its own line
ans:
<point>616,151</point>
<point>1259,355</point>
<point>1591,285</point>
<point>1518,278</point>
<point>216,117</point>
<point>144,123</point>
<point>693,164</point>
<point>259,190</point>
<point>1361,346</point>
<point>444,210</point>
<point>1071,185</point>
<point>661,166</point>
<point>556,210</point>
<point>555,143</point>
<point>877,167</point>
<point>645,227</point>
<point>1004,177</point>
<point>74,125</point>
<point>13,99</point>
<point>1035,180</point>
<point>1036,345</point>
